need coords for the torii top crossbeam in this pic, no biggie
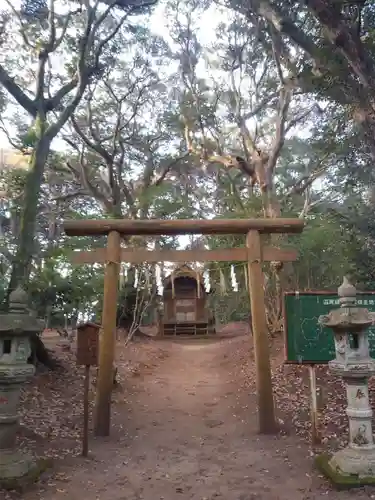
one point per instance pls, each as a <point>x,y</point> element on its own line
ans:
<point>154,227</point>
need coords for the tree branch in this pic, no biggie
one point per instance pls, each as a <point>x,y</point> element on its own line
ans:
<point>307,180</point>
<point>8,136</point>
<point>285,26</point>
<point>95,146</point>
<point>40,79</point>
<point>22,30</point>
<point>345,39</point>
<point>278,143</point>
<point>52,28</point>
<point>17,93</point>
<point>259,107</point>
<point>104,42</point>
<point>69,196</point>
<point>59,39</point>
<point>83,64</point>
<point>88,186</point>
<point>109,160</point>
<point>168,168</point>
<point>55,101</point>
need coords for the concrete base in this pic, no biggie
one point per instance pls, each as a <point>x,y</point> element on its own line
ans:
<point>330,466</point>
<point>22,484</point>
<point>14,465</point>
<point>350,461</point>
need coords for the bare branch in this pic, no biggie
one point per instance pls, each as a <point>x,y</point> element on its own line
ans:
<point>104,42</point>
<point>278,143</point>
<point>84,71</point>
<point>259,107</point>
<point>89,186</point>
<point>69,196</point>
<point>8,136</point>
<point>168,168</point>
<point>90,123</point>
<point>307,180</point>
<point>95,146</point>
<point>58,40</point>
<point>55,101</point>
<point>40,80</point>
<point>298,119</point>
<point>52,28</point>
<point>276,49</point>
<point>285,26</point>
<point>17,93</point>
<point>22,26</point>
<point>345,39</point>
<point>109,160</point>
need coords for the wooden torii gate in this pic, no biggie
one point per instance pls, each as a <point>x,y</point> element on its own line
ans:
<point>254,254</point>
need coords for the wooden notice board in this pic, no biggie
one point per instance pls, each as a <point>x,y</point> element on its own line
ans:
<point>308,342</point>
<point>88,344</point>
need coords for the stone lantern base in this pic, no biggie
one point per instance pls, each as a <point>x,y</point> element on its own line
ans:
<point>14,465</point>
<point>354,462</point>
<point>347,468</point>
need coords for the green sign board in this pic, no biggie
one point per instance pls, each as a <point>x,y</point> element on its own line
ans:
<point>306,340</point>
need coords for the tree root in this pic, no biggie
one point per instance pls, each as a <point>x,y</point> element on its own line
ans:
<point>40,354</point>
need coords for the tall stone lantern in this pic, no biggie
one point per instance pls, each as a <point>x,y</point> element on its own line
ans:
<point>354,364</point>
<point>16,328</point>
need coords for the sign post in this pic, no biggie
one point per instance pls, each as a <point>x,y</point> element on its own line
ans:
<point>315,439</point>
<point>87,355</point>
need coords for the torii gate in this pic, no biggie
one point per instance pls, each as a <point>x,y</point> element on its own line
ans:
<point>254,254</point>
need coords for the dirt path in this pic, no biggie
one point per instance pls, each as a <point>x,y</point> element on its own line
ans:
<point>183,433</point>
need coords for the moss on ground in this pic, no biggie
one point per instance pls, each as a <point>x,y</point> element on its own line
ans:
<point>20,484</point>
<point>339,480</point>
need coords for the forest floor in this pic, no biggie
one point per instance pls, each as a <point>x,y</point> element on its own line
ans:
<point>184,426</point>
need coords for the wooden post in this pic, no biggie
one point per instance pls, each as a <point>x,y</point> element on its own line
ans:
<point>313,406</point>
<point>86,390</point>
<point>107,338</point>
<point>154,227</point>
<point>140,255</point>
<point>266,412</point>
<point>87,355</point>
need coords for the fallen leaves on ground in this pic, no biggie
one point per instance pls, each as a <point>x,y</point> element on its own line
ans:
<point>292,392</point>
<point>51,403</point>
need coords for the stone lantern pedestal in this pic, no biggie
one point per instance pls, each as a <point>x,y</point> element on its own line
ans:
<point>16,328</point>
<point>356,463</point>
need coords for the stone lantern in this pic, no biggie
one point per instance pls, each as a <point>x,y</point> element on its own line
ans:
<point>354,364</point>
<point>16,328</point>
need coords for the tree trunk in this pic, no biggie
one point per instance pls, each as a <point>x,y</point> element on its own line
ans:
<point>41,354</point>
<point>26,238</point>
<point>271,209</point>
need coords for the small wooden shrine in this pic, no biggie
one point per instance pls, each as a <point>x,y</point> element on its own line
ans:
<point>185,304</point>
